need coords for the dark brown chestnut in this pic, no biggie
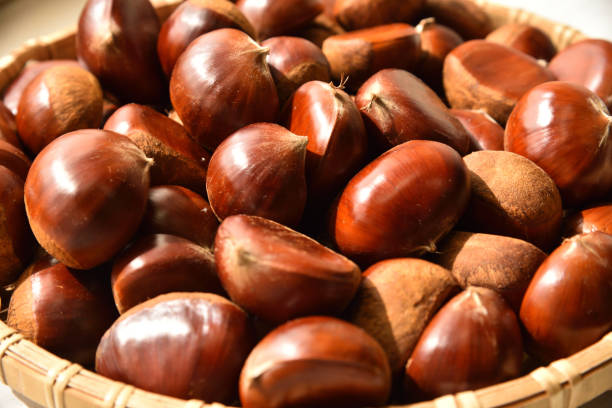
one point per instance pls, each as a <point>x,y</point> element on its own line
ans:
<point>62,310</point>
<point>8,127</point>
<point>472,342</point>
<point>525,38</point>
<point>259,170</point>
<point>117,41</point>
<point>222,83</point>
<point>356,14</point>
<point>199,342</point>
<point>315,362</point>
<point>491,77</point>
<point>486,133</point>
<point>59,100</point>
<point>178,211</point>
<point>177,159</point>
<point>568,304</point>
<point>357,55</point>
<point>466,17</point>
<point>193,18</point>
<point>589,220</point>
<point>396,300</point>
<point>397,107</point>
<point>564,128</point>
<point>14,159</point>
<point>402,203</point>
<point>319,29</point>
<point>85,195</point>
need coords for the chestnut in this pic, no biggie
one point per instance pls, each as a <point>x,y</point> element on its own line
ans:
<point>8,127</point>
<point>357,55</point>
<point>564,128</point>
<point>486,133</point>
<point>592,219</point>
<point>319,29</point>
<point>193,18</point>
<point>62,310</point>
<point>397,107</point>
<point>402,203</point>
<point>396,300</point>
<point>116,40</point>
<point>85,195</point>
<point>185,345</point>
<point>474,341</point>
<point>178,211</point>
<point>491,77</point>
<point>356,14</point>
<point>259,170</point>
<point>59,100</point>
<point>14,159</point>
<point>177,159</point>
<point>222,71</point>
<point>465,17</point>
<point>315,362</point>
<point>525,38</point>
<point>328,7</point>
<point>568,304</point>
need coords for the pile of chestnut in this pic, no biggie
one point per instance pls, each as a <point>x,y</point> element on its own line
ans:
<point>271,202</point>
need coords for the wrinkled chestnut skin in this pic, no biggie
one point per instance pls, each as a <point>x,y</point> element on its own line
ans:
<point>486,133</point>
<point>222,71</point>
<point>397,106</point>
<point>337,139</point>
<point>491,77</point>
<point>192,19</point>
<point>59,100</point>
<point>259,170</point>
<point>177,159</point>
<point>158,264</point>
<point>474,341</point>
<point>396,300</point>
<point>62,310</point>
<point>278,274</point>
<point>587,63</point>
<point>178,211</point>
<point>357,55</point>
<point>568,305</point>
<point>85,195</point>
<point>467,18</point>
<point>589,220</point>
<point>402,202</point>
<point>272,18</point>
<point>319,29</point>
<point>199,340</point>
<point>294,61</point>
<point>564,128</point>
<point>315,362</point>
<point>356,14</point>
<point>16,240</point>
<point>8,127</point>
<point>525,38</point>
<point>14,159</point>
<point>117,41</point>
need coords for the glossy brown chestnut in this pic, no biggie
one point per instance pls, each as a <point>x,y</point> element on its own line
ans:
<point>8,127</point>
<point>396,300</point>
<point>59,100</point>
<point>294,61</point>
<point>319,29</point>
<point>272,18</point>
<point>466,17</point>
<point>525,38</point>
<point>357,55</point>
<point>177,159</point>
<point>178,211</point>
<point>337,139</point>
<point>192,19</point>
<point>512,196</point>
<point>356,14</point>
<point>199,342</point>
<point>278,274</point>
<point>62,310</point>
<point>588,63</point>
<point>117,41</point>
<point>472,342</point>
<point>568,304</point>
<point>589,220</point>
<point>564,128</point>
<point>222,71</point>
<point>503,264</point>
<point>14,159</point>
<point>397,107</point>
<point>483,75</point>
<point>402,202</point>
<point>486,133</point>
<point>259,170</point>
<point>85,195</point>
<point>315,362</point>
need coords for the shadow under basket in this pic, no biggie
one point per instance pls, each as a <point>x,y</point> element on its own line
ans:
<point>41,379</point>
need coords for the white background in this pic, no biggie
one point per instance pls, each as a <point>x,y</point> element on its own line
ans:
<point>24,19</point>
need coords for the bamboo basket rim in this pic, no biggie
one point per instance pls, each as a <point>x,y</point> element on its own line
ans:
<point>42,379</point>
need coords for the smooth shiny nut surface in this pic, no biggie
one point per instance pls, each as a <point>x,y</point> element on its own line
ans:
<point>525,38</point>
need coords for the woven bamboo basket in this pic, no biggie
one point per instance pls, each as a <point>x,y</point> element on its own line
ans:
<point>41,379</point>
